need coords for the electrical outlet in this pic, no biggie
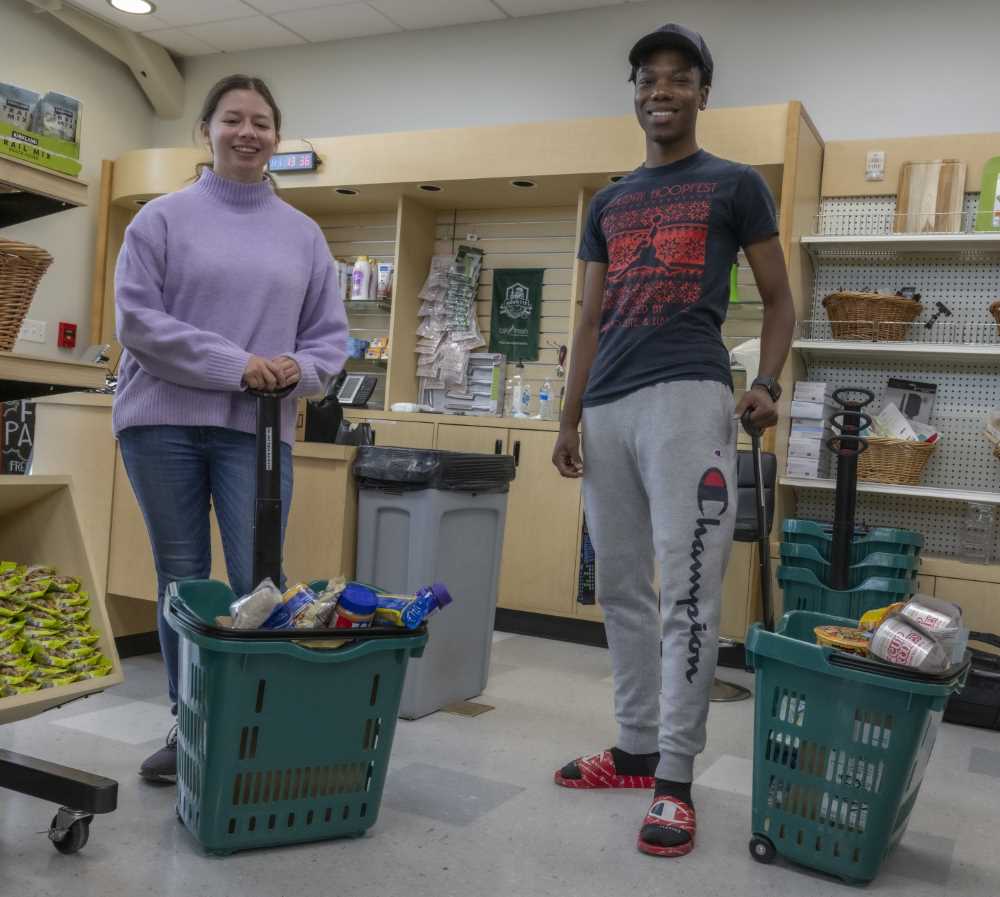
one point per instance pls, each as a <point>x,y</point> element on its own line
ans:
<point>32,331</point>
<point>875,166</point>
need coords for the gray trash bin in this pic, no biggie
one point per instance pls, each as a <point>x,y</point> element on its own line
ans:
<point>431,516</point>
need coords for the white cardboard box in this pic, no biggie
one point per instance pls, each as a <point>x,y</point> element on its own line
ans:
<point>803,467</point>
<point>812,392</point>
<point>806,448</point>
<point>811,410</point>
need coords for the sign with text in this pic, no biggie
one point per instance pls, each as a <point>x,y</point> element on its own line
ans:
<point>18,436</point>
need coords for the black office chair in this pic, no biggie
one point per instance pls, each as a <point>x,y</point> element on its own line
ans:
<point>754,517</point>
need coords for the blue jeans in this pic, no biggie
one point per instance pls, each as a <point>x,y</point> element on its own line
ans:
<point>177,473</point>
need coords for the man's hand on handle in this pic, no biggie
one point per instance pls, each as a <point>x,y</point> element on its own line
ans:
<point>763,411</point>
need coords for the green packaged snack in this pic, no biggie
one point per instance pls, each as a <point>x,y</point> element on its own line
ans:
<point>10,608</point>
<point>10,628</point>
<point>28,591</point>
<point>39,572</point>
<point>16,666</point>
<point>7,567</point>
<point>17,679</point>
<point>57,681</point>
<point>75,615</point>
<point>99,671</point>
<point>11,650</point>
<point>66,584</point>
<point>84,641</point>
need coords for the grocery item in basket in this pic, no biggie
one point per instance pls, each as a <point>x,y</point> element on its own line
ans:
<point>843,638</point>
<point>902,642</point>
<point>319,615</point>
<point>871,620</point>
<point>66,584</point>
<point>250,611</point>
<point>409,612</point>
<point>356,607</point>
<point>942,619</point>
<point>294,604</point>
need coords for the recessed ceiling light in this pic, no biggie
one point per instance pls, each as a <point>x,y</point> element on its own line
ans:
<point>346,191</point>
<point>615,178</point>
<point>136,7</point>
<point>524,185</point>
<point>431,188</point>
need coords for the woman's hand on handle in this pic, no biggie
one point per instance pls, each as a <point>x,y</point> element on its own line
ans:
<point>288,371</point>
<point>263,375</point>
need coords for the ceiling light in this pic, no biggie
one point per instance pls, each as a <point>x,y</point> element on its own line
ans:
<point>346,191</point>
<point>523,184</point>
<point>136,7</point>
<point>615,178</point>
<point>430,188</point>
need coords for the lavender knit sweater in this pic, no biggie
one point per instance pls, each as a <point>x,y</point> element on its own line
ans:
<point>207,277</point>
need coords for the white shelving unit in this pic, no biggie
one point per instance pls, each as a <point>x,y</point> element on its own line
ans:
<point>821,349</point>
<point>992,498</point>
<point>866,245</point>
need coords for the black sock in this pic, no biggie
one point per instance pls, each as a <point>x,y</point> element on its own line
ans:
<point>625,765</point>
<point>664,837</point>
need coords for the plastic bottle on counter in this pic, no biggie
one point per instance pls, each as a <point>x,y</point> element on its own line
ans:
<point>525,407</point>
<point>518,388</point>
<point>508,398</point>
<point>361,278</point>
<point>546,402</point>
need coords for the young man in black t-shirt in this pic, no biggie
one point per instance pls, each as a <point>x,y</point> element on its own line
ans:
<point>650,379</point>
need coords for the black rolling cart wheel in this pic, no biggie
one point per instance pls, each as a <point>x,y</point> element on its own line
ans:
<point>762,850</point>
<point>71,838</point>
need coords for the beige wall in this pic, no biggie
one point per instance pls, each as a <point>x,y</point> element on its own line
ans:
<point>862,68</point>
<point>40,53</point>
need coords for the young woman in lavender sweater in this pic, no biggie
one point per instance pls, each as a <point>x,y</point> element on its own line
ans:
<point>220,287</point>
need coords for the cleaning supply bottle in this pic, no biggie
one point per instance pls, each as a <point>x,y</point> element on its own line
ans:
<point>361,278</point>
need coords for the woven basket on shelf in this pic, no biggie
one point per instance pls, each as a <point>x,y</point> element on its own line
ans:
<point>870,316</point>
<point>21,267</point>
<point>900,462</point>
<point>995,311</point>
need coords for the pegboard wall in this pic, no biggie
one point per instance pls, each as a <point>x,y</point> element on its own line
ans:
<point>966,390</point>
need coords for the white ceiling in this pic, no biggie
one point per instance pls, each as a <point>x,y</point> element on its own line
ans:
<point>199,27</point>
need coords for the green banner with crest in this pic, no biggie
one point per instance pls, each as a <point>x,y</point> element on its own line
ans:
<point>517,312</point>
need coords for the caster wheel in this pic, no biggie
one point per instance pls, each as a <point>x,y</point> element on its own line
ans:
<point>762,850</point>
<point>75,838</point>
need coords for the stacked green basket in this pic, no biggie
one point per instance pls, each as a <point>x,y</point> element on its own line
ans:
<point>884,567</point>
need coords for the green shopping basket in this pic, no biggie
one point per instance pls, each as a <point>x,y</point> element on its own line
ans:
<point>801,590</point>
<point>877,539</point>
<point>280,743</point>
<point>879,563</point>
<point>840,748</point>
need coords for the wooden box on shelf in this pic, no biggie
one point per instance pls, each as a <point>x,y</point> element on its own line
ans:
<point>39,525</point>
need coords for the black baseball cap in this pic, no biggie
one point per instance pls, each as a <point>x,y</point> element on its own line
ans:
<point>674,37</point>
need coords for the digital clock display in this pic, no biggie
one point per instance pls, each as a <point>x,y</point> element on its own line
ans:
<point>305,161</point>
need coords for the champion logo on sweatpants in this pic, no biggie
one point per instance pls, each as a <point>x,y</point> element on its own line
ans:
<point>713,501</point>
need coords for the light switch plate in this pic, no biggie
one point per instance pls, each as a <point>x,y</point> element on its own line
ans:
<point>32,331</point>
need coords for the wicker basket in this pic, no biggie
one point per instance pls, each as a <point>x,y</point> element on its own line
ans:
<point>21,267</point>
<point>995,311</point>
<point>870,316</point>
<point>900,462</point>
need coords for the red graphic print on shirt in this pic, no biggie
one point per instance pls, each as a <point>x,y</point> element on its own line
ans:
<point>656,254</point>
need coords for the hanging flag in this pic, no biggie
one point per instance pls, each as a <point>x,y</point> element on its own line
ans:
<point>517,312</point>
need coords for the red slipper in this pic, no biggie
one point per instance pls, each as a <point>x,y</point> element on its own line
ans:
<point>598,771</point>
<point>669,813</point>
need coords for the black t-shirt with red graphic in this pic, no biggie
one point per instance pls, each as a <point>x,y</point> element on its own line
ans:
<point>669,236</point>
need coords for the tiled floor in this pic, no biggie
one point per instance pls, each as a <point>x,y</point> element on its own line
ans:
<point>470,809</point>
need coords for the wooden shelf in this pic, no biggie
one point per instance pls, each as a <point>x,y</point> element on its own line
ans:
<point>846,246</point>
<point>30,376</point>
<point>862,350</point>
<point>992,498</point>
<point>28,191</point>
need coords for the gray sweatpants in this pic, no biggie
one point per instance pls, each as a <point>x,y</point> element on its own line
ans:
<point>660,482</point>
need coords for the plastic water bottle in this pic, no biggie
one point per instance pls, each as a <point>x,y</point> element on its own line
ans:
<point>515,405</point>
<point>508,398</point>
<point>545,402</point>
<point>525,408</point>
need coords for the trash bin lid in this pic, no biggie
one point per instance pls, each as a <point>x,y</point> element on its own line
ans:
<point>412,469</point>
